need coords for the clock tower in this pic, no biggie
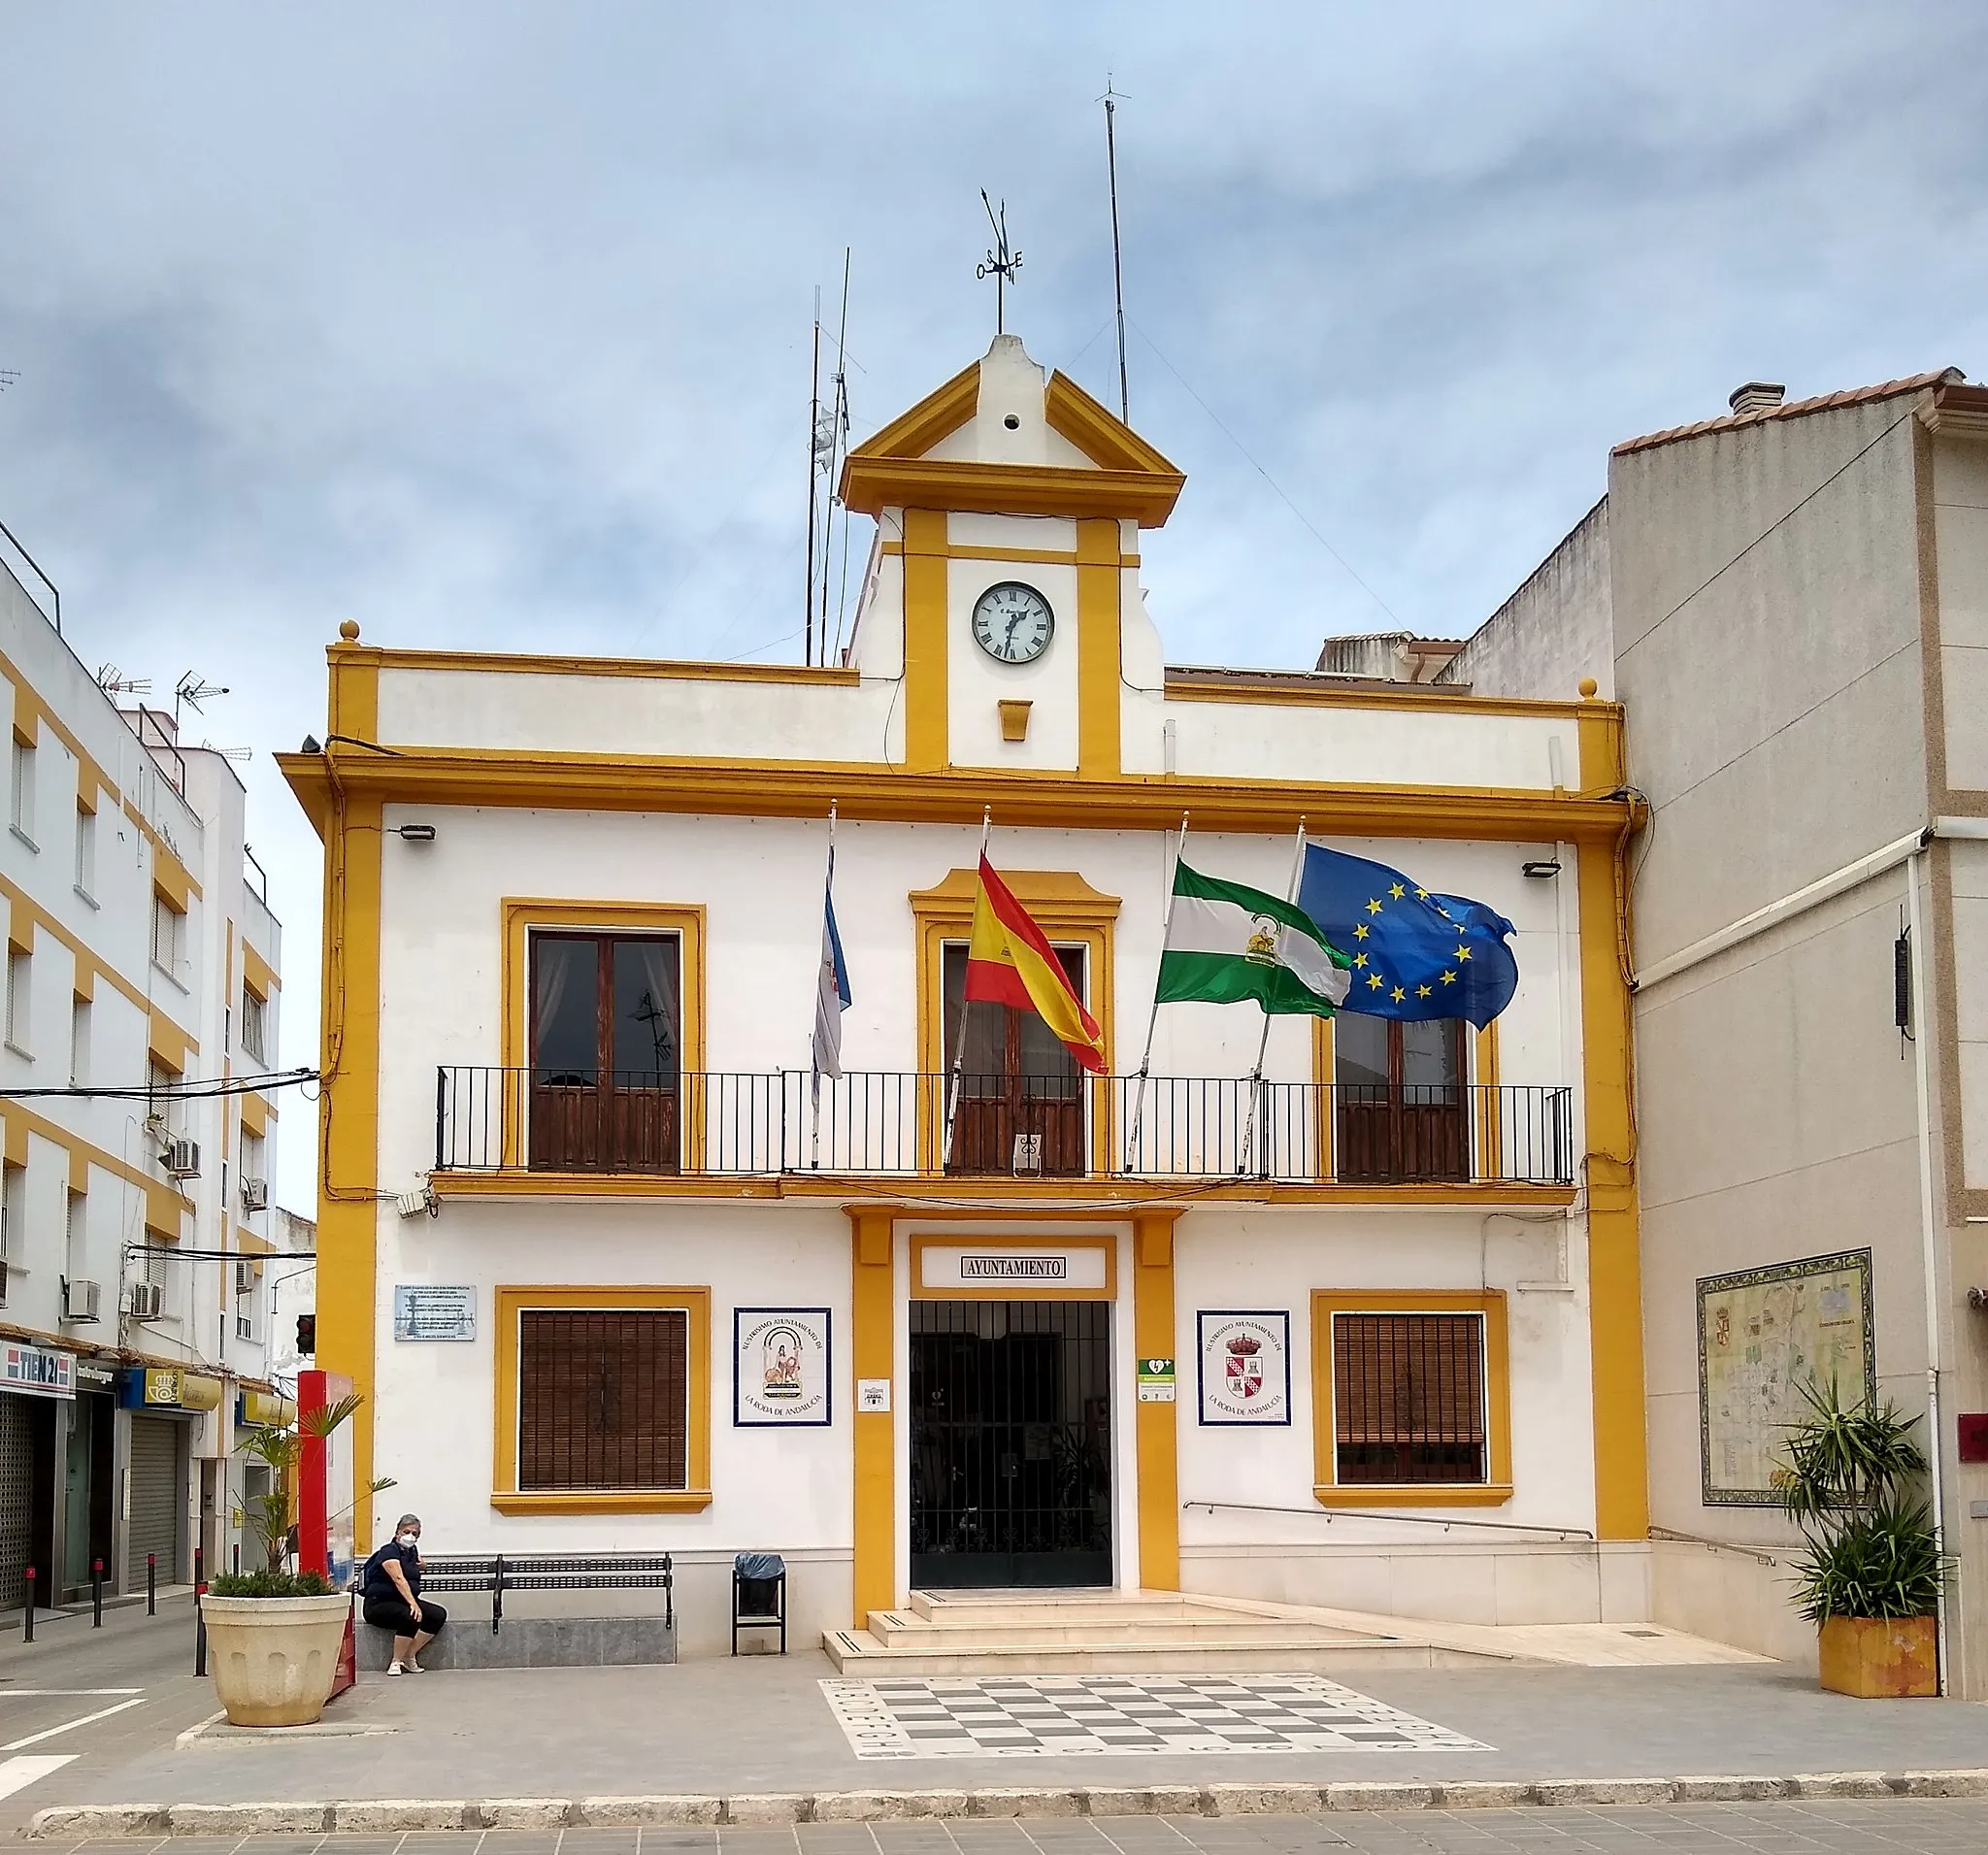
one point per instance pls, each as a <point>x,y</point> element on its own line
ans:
<point>1004,584</point>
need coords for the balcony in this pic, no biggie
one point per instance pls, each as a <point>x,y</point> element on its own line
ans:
<point>899,1125</point>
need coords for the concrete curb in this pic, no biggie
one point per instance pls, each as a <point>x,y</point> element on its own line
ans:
<point>400,1815</point>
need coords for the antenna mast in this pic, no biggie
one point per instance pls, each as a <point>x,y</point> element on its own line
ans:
<point>1111,100</point>
<point>1001,263</point>
<point>837,433</point>
<point>813,440</point>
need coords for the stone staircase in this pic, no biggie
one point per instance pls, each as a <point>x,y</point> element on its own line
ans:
<point>1122,1632</point>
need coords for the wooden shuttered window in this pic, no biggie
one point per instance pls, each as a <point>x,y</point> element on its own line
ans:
<point>604,1399</point>
<point>1408,1398</point>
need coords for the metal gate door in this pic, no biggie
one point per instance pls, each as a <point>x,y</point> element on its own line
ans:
<point>158,1496</point>
<point>1010,1435</point>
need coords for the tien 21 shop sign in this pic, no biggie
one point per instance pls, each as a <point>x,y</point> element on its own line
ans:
<point>1245,1368</point>
<point>781,1368</point>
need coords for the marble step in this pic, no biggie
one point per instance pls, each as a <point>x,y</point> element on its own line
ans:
<point>1051,1625</point>
<point>859,1653</point>
<point>949,1607</point>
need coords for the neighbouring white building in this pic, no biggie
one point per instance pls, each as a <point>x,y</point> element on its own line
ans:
<point>656,1298</point>
<point>1791,601</point>
<point>142,970</point>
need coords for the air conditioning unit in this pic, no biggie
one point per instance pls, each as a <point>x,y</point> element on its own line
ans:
<point>183,1158</point>
<point>148,1299</point>
<point>255,1194</point>
<point>245,1278</point>
<point>81,1301</point>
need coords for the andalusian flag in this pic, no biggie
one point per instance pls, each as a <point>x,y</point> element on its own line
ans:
<point>1010,962</point>
<point>1226,942</point>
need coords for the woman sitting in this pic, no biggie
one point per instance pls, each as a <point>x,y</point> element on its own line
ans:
<point>392,1597</point>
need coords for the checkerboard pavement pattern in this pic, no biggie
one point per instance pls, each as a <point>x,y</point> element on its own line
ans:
<point>1019,1716</point>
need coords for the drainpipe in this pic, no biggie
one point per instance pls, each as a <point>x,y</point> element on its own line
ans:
<point>1914,867</point>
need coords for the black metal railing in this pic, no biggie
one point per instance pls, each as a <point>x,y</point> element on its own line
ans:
<point>896,1124</point>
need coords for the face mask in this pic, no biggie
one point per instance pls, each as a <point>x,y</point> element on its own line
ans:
<point>409,1540</point>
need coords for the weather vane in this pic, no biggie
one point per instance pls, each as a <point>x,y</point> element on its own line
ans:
<point>1001,263</point>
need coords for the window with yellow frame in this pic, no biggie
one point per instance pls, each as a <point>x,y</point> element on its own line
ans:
<point>603,1400</point>
<point>1411,1398</point>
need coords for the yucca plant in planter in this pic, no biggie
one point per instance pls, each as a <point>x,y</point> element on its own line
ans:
<point>274,1634</point>
<point>1870,1571</point>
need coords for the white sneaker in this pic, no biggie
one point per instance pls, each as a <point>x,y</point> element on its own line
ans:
<point>394,1668</point>
<point>414,1667</point>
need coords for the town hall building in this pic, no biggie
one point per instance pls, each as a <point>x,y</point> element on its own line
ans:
<point>1344,1315</point>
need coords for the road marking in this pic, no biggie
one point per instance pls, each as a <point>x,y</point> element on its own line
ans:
<point>69,1726</point>
<point>49,1692</point>
<point>17,1773</point>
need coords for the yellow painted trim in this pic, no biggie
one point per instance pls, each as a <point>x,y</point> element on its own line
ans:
<point>1155,1333</point>
<point>587,1501</point>
<point>1014,1291</point>
<point>1022,556</point>
<point>1066,908</point>
<point>873,1354</point>
<point>642,668</point>
<point>928,693</point>
<point>255,1116</point>
<point>1100,434</point>
<point>512,1301</point>
<point>1489,1303</point>
<point>522,913</point>
<point>870,486</point>
<point>349,1115</point>
<point>164,1207</point>
<point>1013,1195</point>
<point>82,985</point>
<point>170,1047</point>
<point>934,793</point>
<point>1428,697</point>
<point>1615,1341</point>
<point>934,419</point>
<point>26,916</point>
<point>90,778</point>
<point>1100,706</point>
<point>258,975</point>
<point>171,878</point>
<point>1489,1132</point>
<point>164,856</point>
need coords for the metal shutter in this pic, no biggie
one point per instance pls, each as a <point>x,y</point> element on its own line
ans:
<point>604,1399</point>
<point>16,1497</point>
<point>157,1494</point>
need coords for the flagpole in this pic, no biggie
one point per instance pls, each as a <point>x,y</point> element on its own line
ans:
<point>814,1089</point>
<point>1263,1043</point>
<point>959,1053</point>
<point>1153,1017</point>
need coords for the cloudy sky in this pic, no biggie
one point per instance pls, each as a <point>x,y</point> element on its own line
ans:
<point>488,324</point>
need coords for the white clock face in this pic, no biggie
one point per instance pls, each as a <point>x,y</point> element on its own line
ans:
<point>1012,623</point>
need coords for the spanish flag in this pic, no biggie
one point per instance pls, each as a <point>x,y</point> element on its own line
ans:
<point>1010,962</point>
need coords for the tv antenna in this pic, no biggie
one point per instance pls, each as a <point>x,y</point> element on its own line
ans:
<point>112,681</point>
<point>1111,100</point>
<point>1002,262</point>
<point>191,692</point>
<point>8,376</point>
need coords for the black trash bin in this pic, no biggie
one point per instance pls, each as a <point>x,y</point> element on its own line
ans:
<point>759,1595</point>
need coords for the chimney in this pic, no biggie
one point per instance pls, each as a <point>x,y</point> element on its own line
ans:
<point>1756,396</point>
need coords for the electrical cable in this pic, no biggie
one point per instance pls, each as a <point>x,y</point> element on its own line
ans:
<point>206,1089</point>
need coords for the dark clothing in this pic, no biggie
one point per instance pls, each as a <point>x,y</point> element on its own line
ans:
<point>375,1582</point>
<point>392,1613</point>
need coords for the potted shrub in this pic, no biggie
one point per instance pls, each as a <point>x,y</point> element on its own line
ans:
<point>274,1634</point>
<point>1870,1572</point>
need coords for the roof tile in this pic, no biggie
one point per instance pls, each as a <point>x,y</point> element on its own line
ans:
<point>1796,409</point>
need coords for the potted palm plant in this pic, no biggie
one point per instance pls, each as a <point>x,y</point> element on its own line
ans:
<point>273,1634</point>
<point>1870,1571</point>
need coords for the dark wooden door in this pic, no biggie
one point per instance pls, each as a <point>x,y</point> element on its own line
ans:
<point>1018,1103</point>
<point>605,1080</point>
<point>1401,1109</point>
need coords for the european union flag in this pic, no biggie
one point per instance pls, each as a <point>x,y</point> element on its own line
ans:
<point>1417,954</point>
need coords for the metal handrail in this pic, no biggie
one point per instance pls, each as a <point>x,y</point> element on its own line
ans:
<point>912,1123</point>
<point>1445,1521</point>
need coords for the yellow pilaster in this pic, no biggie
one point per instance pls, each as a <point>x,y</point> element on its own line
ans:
<point>926,693</point>
<point>1614,1261</point>
<point>872,1355</point>
<point>1099,576</point>
<point>347,1210</point>
<point>1155,1433</point>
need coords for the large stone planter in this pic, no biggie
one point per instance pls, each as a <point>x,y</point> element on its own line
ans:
<point>273,1659</point>
<point>1880,1658</point>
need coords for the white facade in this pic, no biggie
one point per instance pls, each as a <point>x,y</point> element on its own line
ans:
<point>132,935</point>
<point>526,798</point>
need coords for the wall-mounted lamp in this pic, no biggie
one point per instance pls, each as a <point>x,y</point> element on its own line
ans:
<point>416,833</point>
<point>1540,872</point>
<point>311,745</point>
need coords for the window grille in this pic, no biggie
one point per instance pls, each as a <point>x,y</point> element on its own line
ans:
<point>604,1399</point>
<point>1408,1398</point>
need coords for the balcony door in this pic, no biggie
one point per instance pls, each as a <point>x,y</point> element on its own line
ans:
<point>606,1052</point>
<point>1019,1103</point>
<point>1401,1109</point>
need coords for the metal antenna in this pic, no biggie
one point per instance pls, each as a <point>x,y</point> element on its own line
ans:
<point>8,376</point>
<point>838,433</point>
<point>1110,99</point>
<point>814,453</point>
<point>192,693</point>
<point>1002,262</point>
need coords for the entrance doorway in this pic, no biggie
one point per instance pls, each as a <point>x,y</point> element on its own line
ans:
<point>1010,1443</point>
